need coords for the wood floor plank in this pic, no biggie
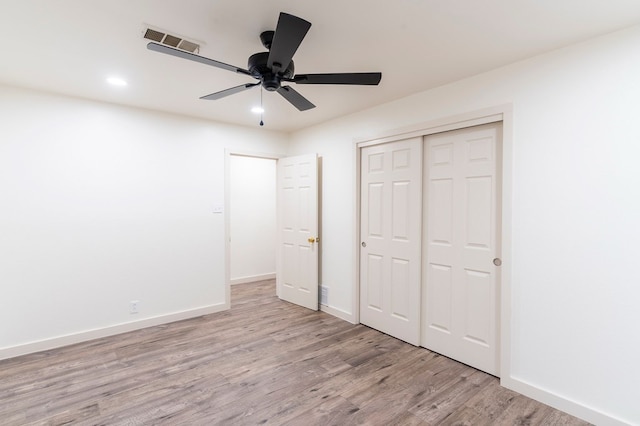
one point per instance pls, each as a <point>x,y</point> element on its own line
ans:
<point>440,402</point>
<point>334,410</point>
<point>485,407</point>
<point>264,361</point>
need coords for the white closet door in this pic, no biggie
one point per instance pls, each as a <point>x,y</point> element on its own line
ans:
<point>461,243</point>
<point>390,250</point>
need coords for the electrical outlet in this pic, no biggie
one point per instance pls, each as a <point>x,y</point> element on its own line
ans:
<point>133,306</point>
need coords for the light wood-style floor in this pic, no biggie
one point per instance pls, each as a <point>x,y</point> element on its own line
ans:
<point>263,362</point>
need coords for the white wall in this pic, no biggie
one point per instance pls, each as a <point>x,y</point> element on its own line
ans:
<point>575,207</point>
<point>252,218</point>
<point>101,205</point>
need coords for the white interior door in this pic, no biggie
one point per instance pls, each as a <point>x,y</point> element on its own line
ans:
<point>461,242</point>
<point>391,214</point>
<point>297,260</point>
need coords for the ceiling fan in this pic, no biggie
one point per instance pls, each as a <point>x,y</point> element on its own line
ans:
<point>275,67</point>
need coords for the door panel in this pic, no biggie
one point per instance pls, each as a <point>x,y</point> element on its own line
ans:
<point>461,241</point>
<point>478,298</point>
<point>390,233</point>
<point>297,272</point>
<point>439,302</point>
<point>401,289</point>
<point>375,290</point>
<point>375,212</point>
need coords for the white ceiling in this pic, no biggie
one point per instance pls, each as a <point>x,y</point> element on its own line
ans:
<point>72,46</point>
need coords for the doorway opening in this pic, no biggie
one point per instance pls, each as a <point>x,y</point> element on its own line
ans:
<point>268,199</point>
<point>250,218</point>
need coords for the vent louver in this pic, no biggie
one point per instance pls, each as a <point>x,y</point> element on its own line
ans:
<point>153,35</point>
<point>171,40</point>
<point>189,46</point>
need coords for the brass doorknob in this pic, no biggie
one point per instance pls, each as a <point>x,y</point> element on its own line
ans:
<point>312,240</point>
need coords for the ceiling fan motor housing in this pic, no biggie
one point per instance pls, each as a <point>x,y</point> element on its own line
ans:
<point>259,69</point>
<point>266,38</point>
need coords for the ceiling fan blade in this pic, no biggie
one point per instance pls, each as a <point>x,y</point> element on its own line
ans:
<point>227,92</point>
<point>356,78</point>
<point>290,32</point>
<point>295,98</point>
<point>193,57</point>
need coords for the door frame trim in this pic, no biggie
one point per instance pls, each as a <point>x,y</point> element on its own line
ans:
<point>228,152</point>
<point>503,113</point>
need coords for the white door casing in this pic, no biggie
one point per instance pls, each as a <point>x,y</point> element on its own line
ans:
<point>297,254</point>
<point>461,241</point>
<point>390,251</point>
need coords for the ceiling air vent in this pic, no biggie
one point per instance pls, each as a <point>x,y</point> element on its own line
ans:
<point>153,35</point>
<point>162,37</point>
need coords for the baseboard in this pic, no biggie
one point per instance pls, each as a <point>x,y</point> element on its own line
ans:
<point>70,339</point>
<point>253,278</point>
<point>338,313</point>
<point>559,402</point>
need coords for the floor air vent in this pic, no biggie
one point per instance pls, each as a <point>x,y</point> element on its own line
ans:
<point>171,40</point>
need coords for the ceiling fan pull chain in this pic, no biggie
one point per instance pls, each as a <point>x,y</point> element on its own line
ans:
<point>261,108</point>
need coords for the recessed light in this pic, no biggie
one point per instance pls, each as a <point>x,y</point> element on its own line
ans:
<point>257,110</point>
<point>116,81</point>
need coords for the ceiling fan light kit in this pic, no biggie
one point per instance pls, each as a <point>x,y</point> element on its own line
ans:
<point>276,66</point>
